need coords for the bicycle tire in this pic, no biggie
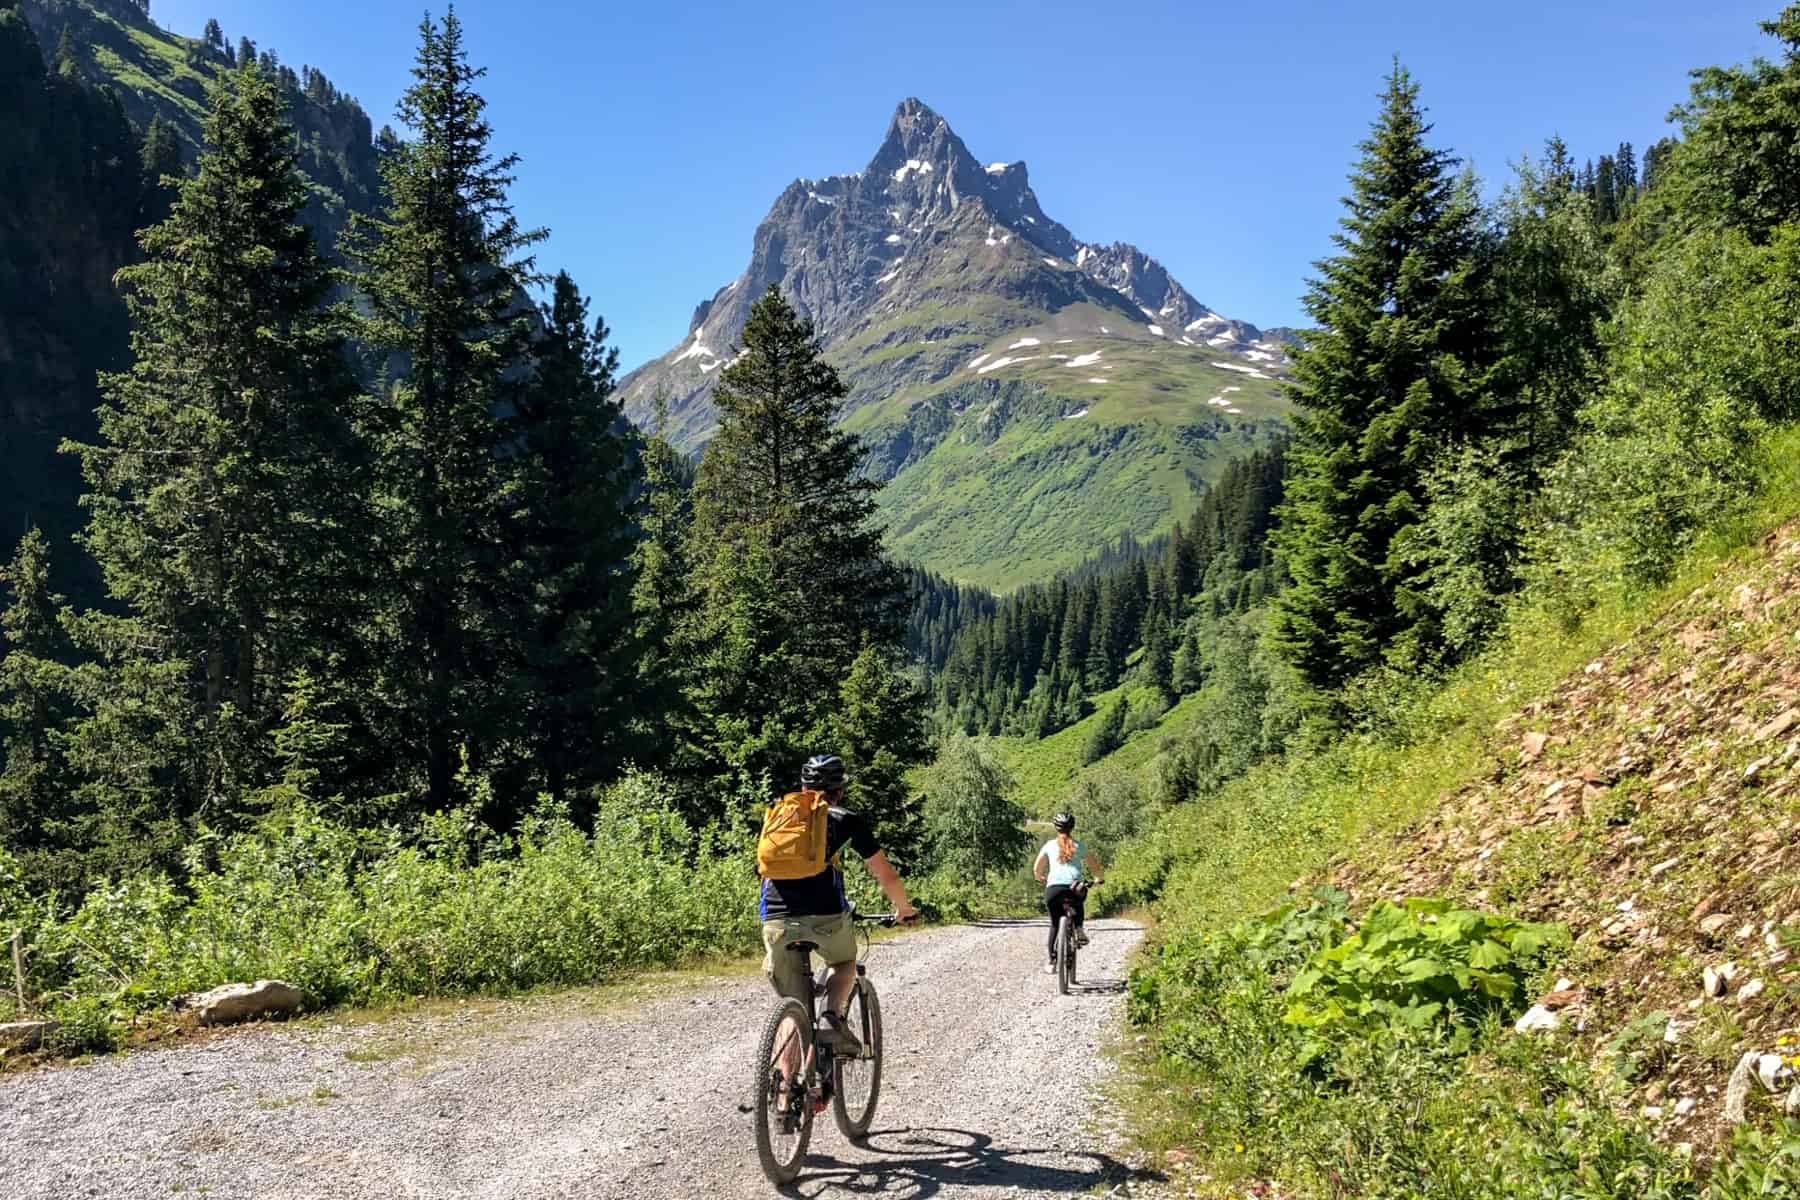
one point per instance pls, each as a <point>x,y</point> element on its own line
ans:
<point>1065,954</point>
<point>790,1019</point>
<point>865,1022</point>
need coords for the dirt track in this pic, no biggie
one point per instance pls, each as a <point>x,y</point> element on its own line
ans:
<point>988,1094</point>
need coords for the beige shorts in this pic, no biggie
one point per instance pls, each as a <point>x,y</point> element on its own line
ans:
<point>834,935</point>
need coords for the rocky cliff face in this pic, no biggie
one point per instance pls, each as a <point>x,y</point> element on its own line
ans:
<point>926,247</point>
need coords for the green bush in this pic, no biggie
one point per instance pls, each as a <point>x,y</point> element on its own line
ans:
<point>356,917</point>
<point>1415,970</point>
<point>1761,1164</point>
<point>1455,1106</point>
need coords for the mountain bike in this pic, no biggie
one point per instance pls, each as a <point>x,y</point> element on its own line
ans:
<point>796,1076</point>
<point>1065,936</point>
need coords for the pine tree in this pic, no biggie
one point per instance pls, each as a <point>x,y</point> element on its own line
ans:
<point>664,597</point>
<point>576,478</point>
<point>785,548</point>
<point>1606,199</point>
<point>37,812</point>
<point>1109,735</point>
<point>1393,375</point>
<point>222,482</point>
<point>878,726</point>
<point>246,52</point>
<point>161,157</point>
<point>443,279</point>
<point>1159,658</point>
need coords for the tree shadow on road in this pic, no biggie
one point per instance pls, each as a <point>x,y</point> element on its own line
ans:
<point>916,1164</point>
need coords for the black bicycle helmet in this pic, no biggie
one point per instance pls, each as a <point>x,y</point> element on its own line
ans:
<point>824,773</point>
<point>1064,822</point>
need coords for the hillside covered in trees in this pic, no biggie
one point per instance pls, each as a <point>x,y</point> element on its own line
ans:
<point>101,106</point>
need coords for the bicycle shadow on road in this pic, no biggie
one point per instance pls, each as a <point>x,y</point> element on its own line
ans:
<point>916,1164</point>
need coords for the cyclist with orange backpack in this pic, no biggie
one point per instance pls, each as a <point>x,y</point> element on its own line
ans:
<point>803,898</point>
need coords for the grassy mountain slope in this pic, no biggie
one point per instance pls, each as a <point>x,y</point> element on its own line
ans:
<point>1637,782</point>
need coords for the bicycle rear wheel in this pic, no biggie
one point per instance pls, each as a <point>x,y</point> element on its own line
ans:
<point>1065,954</point>
<point>859,1079</point>
<point>783,1114</point>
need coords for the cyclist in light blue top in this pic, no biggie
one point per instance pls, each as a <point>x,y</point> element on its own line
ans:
<point>1058,867</point>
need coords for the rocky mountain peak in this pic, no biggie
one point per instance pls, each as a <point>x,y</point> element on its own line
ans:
<point>927,228</point>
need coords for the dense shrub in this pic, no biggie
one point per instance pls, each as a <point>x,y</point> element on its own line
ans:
<point>1427,1092</point>
<point>357,916</point>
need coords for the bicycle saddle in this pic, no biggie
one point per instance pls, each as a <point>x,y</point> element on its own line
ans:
<point>807,947</point>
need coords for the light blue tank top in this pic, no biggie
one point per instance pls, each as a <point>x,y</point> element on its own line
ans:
<point>1063,873</point>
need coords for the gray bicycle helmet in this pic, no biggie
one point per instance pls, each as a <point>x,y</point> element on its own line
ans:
<point>824,773</point>
<point>1064,822</point>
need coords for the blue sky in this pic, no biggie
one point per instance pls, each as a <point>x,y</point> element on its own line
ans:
<point>1215,137</point>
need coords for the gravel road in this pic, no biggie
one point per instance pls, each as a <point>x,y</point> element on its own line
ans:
<point>989,1093</point>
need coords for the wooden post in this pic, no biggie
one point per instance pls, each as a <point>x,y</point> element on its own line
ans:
<point>18,949</point>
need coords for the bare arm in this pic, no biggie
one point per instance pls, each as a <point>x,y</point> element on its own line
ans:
<point>1093,866</point>
<point>889,879</point>
<point>1040,867</point>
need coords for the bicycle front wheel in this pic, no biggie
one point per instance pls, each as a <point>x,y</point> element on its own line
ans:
<point>859,1079</point>
<point>784,1115</point>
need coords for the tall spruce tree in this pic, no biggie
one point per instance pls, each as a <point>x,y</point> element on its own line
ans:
<point>785,548</point>
<point>574,494</point>
<point>37,813</point>
<point>223,477</point>
<point>1392,375</point>
<point>161,158</point>
<point>444,280</point>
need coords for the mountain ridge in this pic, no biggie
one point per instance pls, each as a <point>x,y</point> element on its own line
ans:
<point>1030,397</point>
<point>916,186</point>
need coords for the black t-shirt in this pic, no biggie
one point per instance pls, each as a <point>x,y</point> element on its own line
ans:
<point>823,894</point>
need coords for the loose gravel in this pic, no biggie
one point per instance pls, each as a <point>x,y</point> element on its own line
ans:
<point>990,1091</point>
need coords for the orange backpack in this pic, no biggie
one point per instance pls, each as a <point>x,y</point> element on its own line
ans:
<point>794,835</point>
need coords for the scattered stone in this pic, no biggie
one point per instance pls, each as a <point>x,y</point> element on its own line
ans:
<point>24,1035</point>
<point>1710,926</point>
<point>1663,867</point>
<point>1538,1019</point>
<point>234,1002</point>
<point>1771,1069</point>
<point>1712,983</point>
<point>1595,667</point>
<point>1753,772</point>
<point>1751,989</point>
<point>1686,1105</point>
<point>1791,1106</point>
<point>1531,747</point>
<point>1779,725</point>
<point>1561,998</point>
<point>1652,1112</point>
<point>1737,1090</point>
